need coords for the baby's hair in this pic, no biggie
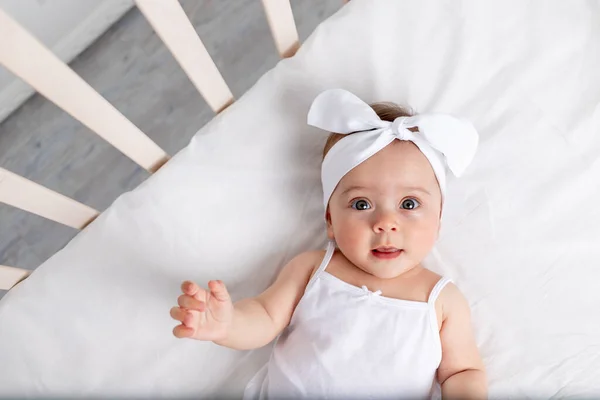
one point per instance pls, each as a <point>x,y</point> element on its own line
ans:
<point>386,111</point>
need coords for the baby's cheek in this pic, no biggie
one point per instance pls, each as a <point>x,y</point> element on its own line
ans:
<point>348,234</point>
<point>425,239</point>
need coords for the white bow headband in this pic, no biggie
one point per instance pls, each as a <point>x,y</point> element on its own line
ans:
<point>445,140</point>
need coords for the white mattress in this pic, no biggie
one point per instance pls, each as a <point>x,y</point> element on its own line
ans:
<point>520,235</point>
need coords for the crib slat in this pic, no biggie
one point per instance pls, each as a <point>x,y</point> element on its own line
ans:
<point>10,276</point>
<point>283,27</point>
<point>26,57</point>
<point>34,198</point>
<point>177,32</point>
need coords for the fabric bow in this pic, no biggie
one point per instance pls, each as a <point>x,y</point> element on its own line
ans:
<point>445,140</point>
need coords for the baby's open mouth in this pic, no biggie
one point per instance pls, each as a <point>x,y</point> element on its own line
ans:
<point>386,252</point>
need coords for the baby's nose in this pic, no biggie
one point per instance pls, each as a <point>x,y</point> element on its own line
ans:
<point>386,227</point>
<point>386,223</point>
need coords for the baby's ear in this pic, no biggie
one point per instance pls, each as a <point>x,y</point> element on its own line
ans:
<point>330,235</point>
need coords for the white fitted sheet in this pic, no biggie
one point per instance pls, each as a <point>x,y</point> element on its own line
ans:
<point>520,235</point>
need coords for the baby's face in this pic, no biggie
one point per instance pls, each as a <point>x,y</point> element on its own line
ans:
<point>385,214</point>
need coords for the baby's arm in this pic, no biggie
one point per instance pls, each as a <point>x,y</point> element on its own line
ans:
<point>461,372</point>
<point>249,323</point>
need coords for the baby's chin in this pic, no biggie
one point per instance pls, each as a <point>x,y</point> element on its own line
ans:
<point>386,269</point>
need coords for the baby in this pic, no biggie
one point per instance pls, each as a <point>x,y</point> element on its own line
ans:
<point>362,319</point>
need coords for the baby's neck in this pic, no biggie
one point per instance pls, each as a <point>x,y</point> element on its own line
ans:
<point>412,284</point>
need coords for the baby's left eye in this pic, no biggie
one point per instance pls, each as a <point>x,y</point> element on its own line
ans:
<point>361,205</point>
<point>409,204</point>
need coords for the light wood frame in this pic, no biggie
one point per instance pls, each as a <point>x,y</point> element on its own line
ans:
<point>49,76</point>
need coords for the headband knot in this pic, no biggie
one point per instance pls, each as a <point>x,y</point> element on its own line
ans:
<point>400,130</point>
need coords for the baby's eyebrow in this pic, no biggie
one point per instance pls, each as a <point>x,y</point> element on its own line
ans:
<point>416,189</point>
<point>351,188</point>
<point>400,187</point>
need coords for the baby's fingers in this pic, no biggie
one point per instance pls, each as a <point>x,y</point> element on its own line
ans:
<point>182,331</point>
<point>178,313</point>
<point>182,315</point>
<point>192,289</point>
<point>218,290</point>
<point>191,303</point>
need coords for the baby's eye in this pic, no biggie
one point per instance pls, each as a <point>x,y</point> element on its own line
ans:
<point>410,204</point>
<point>361,205</point>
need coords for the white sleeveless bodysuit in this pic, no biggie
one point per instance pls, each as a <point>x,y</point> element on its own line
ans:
<point>347,342</point>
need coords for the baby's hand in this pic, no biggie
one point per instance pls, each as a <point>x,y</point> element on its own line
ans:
<point>204,315</point>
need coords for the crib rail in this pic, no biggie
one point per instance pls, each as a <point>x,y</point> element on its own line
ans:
<point>10,276</point>
<point>176,31</point>
<point>29,196</point>
<point>25,56</point>
<point>283,28</point>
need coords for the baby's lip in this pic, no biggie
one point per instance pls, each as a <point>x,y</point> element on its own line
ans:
<point>386,249</point>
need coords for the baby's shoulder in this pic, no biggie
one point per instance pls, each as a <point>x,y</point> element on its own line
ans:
<point>301,267</point>
<point>311,256</point>
<point>450,299</point>
<point>309,260</point>
<point>423,281</point>
<point>428,279</point>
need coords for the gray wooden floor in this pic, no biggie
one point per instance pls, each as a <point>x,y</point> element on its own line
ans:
<point>131,68</point>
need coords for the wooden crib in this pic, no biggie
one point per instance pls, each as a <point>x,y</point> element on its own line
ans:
<point>26,57</point>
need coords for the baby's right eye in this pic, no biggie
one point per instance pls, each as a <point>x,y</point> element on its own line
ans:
<point>361,205</point>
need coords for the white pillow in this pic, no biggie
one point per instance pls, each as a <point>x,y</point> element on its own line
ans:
<point>519,236</point>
